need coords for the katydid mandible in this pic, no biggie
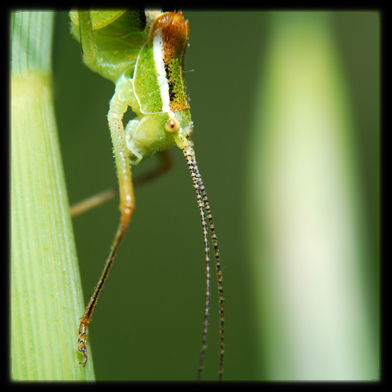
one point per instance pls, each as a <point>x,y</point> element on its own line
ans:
<point>142,53</point>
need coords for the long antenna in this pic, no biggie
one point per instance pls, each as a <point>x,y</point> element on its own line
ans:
<point>218,272</point>
<point>204,209</point>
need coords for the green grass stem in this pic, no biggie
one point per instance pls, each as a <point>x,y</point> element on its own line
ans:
<point>46,292</point>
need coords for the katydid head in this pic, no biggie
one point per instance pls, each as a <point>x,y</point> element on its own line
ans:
<point>157,132</point>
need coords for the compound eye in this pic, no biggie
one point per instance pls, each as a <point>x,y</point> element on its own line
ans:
<point>172,125</point>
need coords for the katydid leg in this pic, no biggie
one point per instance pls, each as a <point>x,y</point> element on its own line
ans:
<point>165,164</point>
<point>93,201</point>
<point>127,204</point>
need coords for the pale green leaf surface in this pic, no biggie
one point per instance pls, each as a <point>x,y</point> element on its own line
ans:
<point>46,294</point>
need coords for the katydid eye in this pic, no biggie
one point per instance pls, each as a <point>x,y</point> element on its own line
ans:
<point>172,125</point>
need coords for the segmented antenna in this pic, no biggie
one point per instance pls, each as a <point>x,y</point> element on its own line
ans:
<point>218,272</point>
<point>204,209</point>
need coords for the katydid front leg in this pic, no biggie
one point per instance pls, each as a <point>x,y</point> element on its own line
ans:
<point>127,204</point>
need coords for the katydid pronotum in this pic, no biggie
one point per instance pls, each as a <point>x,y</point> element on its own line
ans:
<point>142,53</point>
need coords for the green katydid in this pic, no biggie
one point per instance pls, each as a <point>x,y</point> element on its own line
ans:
<point>142,52</point>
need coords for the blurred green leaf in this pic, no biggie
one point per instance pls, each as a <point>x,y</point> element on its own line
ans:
<point>305,211</point>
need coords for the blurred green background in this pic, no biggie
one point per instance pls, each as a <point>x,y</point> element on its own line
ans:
<point>148,323</point>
